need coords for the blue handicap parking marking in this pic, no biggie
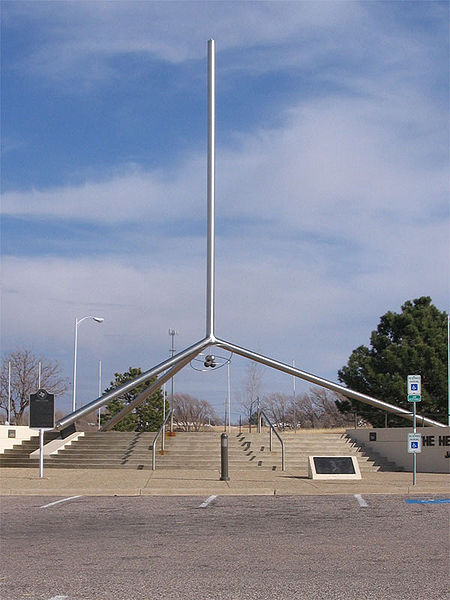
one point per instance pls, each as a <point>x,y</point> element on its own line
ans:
<point>437,501</point>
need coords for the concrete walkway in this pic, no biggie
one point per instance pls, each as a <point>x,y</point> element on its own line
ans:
<point>127,482</point>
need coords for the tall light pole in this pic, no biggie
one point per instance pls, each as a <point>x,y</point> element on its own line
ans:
<point>172,334</point>
<point>99,390</point>
<point>229,397</point>
<point>9,394</point>
<point>75,348</point>
<point>293,400</point>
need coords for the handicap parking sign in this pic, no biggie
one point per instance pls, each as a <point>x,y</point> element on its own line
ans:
<point>414,443</point>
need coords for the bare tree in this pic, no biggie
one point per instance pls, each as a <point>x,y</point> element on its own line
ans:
<point>24,381</point>
<point>252,389</point>
<point>192,414</point>
<point>278,408</point>
<point>317,408</point>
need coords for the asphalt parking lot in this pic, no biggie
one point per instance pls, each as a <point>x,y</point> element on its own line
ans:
<point>225,547</point>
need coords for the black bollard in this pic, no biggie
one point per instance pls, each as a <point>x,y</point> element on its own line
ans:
<point>224,457</point>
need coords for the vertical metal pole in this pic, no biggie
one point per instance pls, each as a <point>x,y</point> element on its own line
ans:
<point>39,375</point>
<point>293,399</point>
<point>74,385</point>
<point>414,455</point>
<point>172,333</point>
<point>258,415</point>
<point>9,392</point>
<point>41,453</point>
<point>240,424</point>
<point>229,397</point>
<point>211,190</point>
<point>224,457</point>
<point>164,416</point>
<point>270,438</point>
<point>386,419</point>
<point>99,390</point>
<point>225,416</point>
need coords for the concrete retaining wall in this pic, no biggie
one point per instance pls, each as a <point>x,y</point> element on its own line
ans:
<point>14,434</point>
<point>391,442</point>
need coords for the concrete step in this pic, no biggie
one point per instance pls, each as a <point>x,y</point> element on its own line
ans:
<point>197,451</point>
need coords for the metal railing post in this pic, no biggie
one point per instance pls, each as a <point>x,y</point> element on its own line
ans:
<point>272,428</point>
<point>156,439</point>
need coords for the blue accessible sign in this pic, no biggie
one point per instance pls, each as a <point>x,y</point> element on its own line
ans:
<point>414,388</point>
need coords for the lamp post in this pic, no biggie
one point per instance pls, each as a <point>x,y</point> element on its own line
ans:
<point>99,391</point>
<point>229,397</point>
<point>172,333</point>
<point>75,348</point>
<point>9,394</point>
<point>293,400</point>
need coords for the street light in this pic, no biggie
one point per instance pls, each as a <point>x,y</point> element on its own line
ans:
<point>172,333</point>
<point>75,348</point>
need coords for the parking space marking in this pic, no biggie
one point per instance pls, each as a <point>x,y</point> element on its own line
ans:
<point>361,500</point>
<point>436,501</point>
<point>59,598</point>
<point>207,501</point>
<point>58,502</point>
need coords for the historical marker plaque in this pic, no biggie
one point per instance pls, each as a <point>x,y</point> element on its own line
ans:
<point>42,410</point>
<point>334,467</point>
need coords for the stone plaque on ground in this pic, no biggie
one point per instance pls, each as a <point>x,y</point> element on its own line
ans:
<point>333,467</point>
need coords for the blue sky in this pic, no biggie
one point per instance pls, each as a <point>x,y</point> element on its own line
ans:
<point>332,178</point>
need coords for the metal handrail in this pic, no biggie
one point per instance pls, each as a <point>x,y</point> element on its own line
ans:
<point>272,428</point>
<point>156,439</point>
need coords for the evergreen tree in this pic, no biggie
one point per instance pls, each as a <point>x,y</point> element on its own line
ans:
<point>413,342</point>
<point>147,416</point>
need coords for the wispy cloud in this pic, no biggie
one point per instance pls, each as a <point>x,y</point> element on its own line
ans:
<point>328,214</point>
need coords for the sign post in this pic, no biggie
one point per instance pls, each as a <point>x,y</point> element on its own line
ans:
<point>42,417</point>
<point>414,439</point>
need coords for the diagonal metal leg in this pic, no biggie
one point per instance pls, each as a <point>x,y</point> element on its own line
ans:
<point>148,392</point>
<point>130,385</point>
<point>335,387</point>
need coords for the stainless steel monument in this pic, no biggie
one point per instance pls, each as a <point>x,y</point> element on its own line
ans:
<point>168,368</point>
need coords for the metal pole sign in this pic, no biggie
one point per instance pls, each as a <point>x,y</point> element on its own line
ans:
<point>414,443</point>
<point>42,416</point>
<point>414,388</point>
<point>414,439</point>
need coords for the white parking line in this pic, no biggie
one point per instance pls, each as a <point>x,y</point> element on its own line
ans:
<point>361,500</point>
<point>53,504</point>
<point>207,501</point>
<point>58,598</point>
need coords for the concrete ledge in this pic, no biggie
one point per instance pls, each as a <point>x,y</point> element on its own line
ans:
<point>21,433</point>
<point>55,446</point>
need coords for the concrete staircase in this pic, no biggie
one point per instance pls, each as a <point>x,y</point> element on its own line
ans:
<point>193,450</point>
<point>18,455</point>
<point>299,446</point>
<point>106,450</point>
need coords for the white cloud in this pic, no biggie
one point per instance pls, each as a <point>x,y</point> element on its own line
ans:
<point>175,31</point>
<point>323,223</point>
